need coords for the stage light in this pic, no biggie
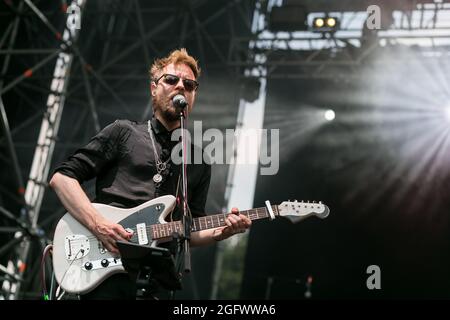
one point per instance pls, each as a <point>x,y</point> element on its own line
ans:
<point>318,23</point>
<point>331,22</point>
<point>447,114</point>
<point>325,24</point>
<point>329,115</point>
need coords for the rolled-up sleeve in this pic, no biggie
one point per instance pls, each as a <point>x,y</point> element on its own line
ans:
<point>88,161</point>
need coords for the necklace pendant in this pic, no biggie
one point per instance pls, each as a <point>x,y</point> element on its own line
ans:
<point>161,166</point>
<point>157,178</point>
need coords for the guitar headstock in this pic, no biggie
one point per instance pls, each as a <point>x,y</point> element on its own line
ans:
<point>299,210</point>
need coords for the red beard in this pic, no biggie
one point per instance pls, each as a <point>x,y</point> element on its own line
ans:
<point>166,108</point>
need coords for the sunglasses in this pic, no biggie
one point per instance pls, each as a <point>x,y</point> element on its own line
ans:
<point>170,79</point>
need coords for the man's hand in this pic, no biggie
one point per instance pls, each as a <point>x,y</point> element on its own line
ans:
<point>236,223</point>
<point>77,203</point>
<point>108,233</point>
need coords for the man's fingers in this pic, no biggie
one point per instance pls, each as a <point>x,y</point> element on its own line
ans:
<point>247,221</point>
<point>240,222</point>
<point>122,232</point>
<point>110,246</point>
<point>235,221</point>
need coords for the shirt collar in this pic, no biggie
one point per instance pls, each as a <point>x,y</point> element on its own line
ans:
<point>159,128</point>
<point>162,133</point>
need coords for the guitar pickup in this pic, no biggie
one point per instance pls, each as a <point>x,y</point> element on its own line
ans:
<point>141,230</point>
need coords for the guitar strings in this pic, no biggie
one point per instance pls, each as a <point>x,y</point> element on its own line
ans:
<point>252,216</point>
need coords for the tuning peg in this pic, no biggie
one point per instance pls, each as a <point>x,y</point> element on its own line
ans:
<point>320,202</point>
<point>295,201</point>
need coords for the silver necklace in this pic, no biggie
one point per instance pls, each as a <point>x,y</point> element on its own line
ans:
<point>160,166</point>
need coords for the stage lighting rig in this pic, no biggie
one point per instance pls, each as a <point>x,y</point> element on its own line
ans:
<point>325,24</point>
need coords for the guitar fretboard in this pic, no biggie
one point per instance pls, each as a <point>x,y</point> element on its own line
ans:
<point>208,222</point>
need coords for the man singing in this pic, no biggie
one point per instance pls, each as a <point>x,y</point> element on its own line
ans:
<point>131,163</point>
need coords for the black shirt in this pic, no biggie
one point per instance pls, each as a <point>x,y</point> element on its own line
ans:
<point>121,157</point>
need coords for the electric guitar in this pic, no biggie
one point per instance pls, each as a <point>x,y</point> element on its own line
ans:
<point>81,262</point>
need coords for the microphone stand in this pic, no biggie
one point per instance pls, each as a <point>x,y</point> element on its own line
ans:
<point>186,219</point>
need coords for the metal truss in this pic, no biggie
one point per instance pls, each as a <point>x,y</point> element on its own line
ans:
<point>421,26</point>
<point>91,79</point>
<point>36,185</point>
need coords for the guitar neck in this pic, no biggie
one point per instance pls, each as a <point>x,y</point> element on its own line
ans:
<point>207,222</point>
<point>218,220</point>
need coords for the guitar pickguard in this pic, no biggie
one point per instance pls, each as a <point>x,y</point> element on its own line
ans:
<point>148,216</point>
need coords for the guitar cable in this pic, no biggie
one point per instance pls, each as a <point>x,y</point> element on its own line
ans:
<point>64,275</point>
<point>43,279</point>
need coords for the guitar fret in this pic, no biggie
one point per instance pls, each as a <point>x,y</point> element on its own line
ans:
<point>195,225</point>
<point>221,218</point>
<point>275,210</point>
<point>218,221</point>
<point>166,231</point>
<point>202,223</point>
<point>208,222</point>
<point>259,215</point>
<point>155,231</point>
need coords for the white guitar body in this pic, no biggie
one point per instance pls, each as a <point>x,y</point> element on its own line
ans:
<point>79,259</point>
<point>81,262</point>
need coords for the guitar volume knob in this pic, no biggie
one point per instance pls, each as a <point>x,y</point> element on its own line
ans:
<point>88,265</point>
<point>104,263</point>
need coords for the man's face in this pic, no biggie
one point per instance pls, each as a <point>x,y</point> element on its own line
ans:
<point>163,92</point>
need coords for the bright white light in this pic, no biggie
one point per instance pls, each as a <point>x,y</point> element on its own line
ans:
<point>330,115</point>
<point>447,114</point>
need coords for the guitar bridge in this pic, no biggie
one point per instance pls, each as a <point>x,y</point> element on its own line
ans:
<point>76,246</point>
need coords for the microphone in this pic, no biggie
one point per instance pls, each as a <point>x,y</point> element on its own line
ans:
<point>179,101</point>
